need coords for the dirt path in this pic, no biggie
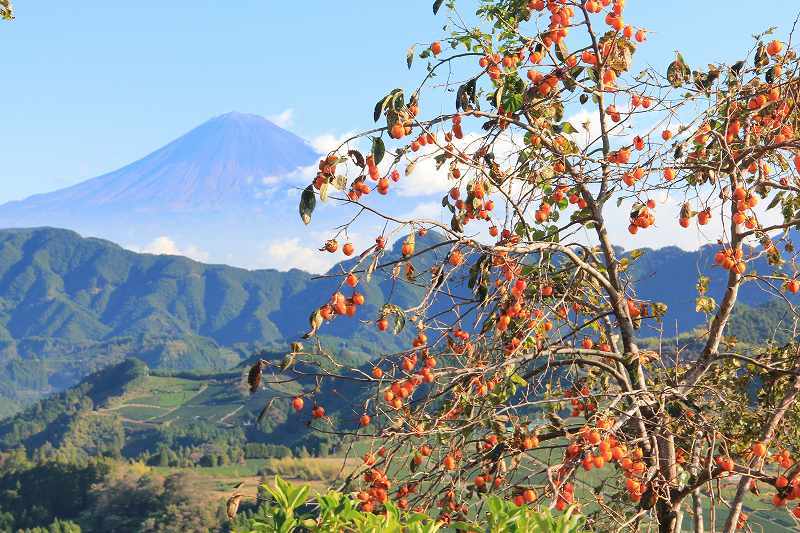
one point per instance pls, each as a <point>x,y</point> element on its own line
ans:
<point>224,418</point>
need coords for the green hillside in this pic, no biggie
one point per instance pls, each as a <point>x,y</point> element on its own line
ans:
<point>70,306</point>
<point>126,410</point>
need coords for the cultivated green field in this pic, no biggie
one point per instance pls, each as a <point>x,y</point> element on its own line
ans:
<point>170,400</point>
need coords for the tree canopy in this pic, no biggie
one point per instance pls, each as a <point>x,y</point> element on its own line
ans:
<point>534,361</point>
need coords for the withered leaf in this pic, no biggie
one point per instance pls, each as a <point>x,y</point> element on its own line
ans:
<point>358,158</point>
<point>254,376</point>
<point>232,507</point>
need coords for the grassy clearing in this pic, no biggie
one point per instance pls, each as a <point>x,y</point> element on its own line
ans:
<point>249,468</point>
<point>307,469</point>
<point>214,484</point>
<point>156,397</point>
<point>140,412</point>
<point>212,403</point>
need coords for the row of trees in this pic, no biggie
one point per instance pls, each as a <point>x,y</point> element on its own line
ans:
<point>98,495</point>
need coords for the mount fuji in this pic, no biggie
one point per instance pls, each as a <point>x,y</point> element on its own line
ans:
<point>224,190</point>
<point>226,161</point>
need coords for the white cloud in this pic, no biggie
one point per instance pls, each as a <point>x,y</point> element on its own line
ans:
<point>425,210</point>
<point>329,141</point>
<point>166,246</point>
<point>283,119</point>
<point>426,179</point>
<point>289,253</point>
<point>588,125</point>
<point>269,185</point>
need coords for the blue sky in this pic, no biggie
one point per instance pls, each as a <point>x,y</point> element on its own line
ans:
<point>90,86</point>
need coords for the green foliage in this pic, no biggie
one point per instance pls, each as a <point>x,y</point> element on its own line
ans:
<point>6,10</point>
<point>193,420</point>
<point>290,510</point>
<point>504,516</point>
<point>37,495</point>
<point>147,503</point>
<point>771,321</point>
<point>58,526</point>
<point>67,419</point>
<point>258,450</point>
<point>97,496</point>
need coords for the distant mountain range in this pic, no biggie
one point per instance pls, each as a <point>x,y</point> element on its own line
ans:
<point>71,305</point>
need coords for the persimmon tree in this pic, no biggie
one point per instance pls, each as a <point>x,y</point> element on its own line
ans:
<point>6,10</point>
<point>533,359</point>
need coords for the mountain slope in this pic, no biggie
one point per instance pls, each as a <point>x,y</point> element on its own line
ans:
<point>70,305</point>
<point>221,163</point>
<point>127,409</point>
<point>669,275</point>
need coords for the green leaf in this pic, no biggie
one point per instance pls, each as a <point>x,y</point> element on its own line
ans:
<point>705,304</point>
<point>380,106</point>
<point>561,48</point>
<point>678,71</point>
<point>358,158</point>
<point>702,285</point>
<point>297,497</point>
<point>397,314</point>
<point>315,320</point>
<point>569,81</point>
<point>399,322</point>
<point>565,127</point>
<point>519,380</point>
<point>397,100</point>
<point>376,114</point>
<point>378,149</point>
<point>466,95</point>
<point>308,201</point>
<point>455,224</point>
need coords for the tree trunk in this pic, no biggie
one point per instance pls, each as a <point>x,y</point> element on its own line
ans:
<point>667,517</point>
<point>697,506</point>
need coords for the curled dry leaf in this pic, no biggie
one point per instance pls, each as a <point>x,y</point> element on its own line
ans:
<point>254,376</point>
<point>232,507</point>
